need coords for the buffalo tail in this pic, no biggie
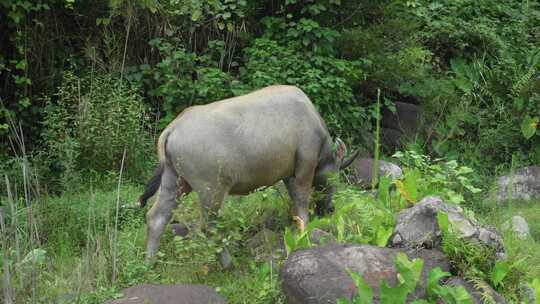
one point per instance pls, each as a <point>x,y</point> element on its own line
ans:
<point>153,185</point>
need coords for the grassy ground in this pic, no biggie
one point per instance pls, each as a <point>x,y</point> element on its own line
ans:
<point>88,260</point>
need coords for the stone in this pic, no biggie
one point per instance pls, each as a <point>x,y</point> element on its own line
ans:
<point>528,295</point>
<point>417,226</point>
<point>362,171</point>
<point>169,294</point>
<point>523,185</point>
<point>477,294</point>
<point>319,275</point>
<point>320,237</point>
<point>518,225</point>
<point>179,229</point>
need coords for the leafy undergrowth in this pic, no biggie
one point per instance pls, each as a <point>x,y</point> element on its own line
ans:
<point>83,258</point>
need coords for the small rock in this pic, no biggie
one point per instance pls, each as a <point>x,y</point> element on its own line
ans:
<point>225,259</point>
<point>417,226</point>
<point>319,275</point>
<point>518,225</point>
<point>363,169</point>
<point>477,294</point>
<point>320,237</point>
<point>169,294</point>
<point>523,185</point>
<point>179,229</point>
<point>528,295</point>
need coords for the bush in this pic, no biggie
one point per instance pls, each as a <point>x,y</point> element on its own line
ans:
<point>325,80</point>
<point>91,120</point>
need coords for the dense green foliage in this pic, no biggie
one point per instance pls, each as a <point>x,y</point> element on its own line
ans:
<point>472,65</point>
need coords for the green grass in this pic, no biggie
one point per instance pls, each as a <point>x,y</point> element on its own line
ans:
<point>526,250</point>
<point>77,232</point>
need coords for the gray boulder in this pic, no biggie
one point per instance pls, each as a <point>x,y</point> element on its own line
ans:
<point>319,275</point>
<point>523,185</point>
<point>518,225</point>
<point>417,226</point>
<point>481,295</point>
<point>363,168</point>
<point>169,294</point>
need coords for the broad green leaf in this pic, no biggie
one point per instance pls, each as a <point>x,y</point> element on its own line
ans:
<point>410,271</point>
<point>499,272</point>
<point>529,126</point>
<point>382,235</point>
<point>443,221</point>
<point>434,276</point>
<point>454,295</point>
<point>365,294</point>
<point>393,295</point>
<point>290,241</point>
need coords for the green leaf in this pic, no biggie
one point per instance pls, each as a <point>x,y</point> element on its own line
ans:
<point>434,276</point>
<point>410,271</point>
<point>454,295</point>
<point>365,294</point>
<point>535,285</point>
<point>382,235</point>
<point>529,126</point>
<point>196,15</point>
<point>499,272</point>
<point>290,241</point>
<point>443,221</point>
<point>392,295</point>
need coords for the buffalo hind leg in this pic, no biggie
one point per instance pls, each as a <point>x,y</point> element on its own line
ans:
<point>211,202</point>
<point>159,215</point>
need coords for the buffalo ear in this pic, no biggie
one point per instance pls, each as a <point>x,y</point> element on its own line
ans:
<point>340,149</point>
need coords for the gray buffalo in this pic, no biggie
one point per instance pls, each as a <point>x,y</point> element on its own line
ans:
<point>238,145</point>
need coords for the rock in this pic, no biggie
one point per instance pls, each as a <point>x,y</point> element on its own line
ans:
<point>179,229</point>
<point>362,171</point>
<point>225,259</point>
<point>518,225</point>
<point>523,185</point>
<point>169,294</point>
<point>477,294</point>
<point>320,237</point>
<point>527,294</point>
<point>405,119</point>
<point>319,275</point>
<point>417,226</point>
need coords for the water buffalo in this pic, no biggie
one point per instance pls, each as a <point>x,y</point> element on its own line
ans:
<point>237,145</point>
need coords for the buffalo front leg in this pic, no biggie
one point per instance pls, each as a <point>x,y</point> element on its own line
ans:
<point>160,213</point>
<point>324,191</point>
<point>300,188</point>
